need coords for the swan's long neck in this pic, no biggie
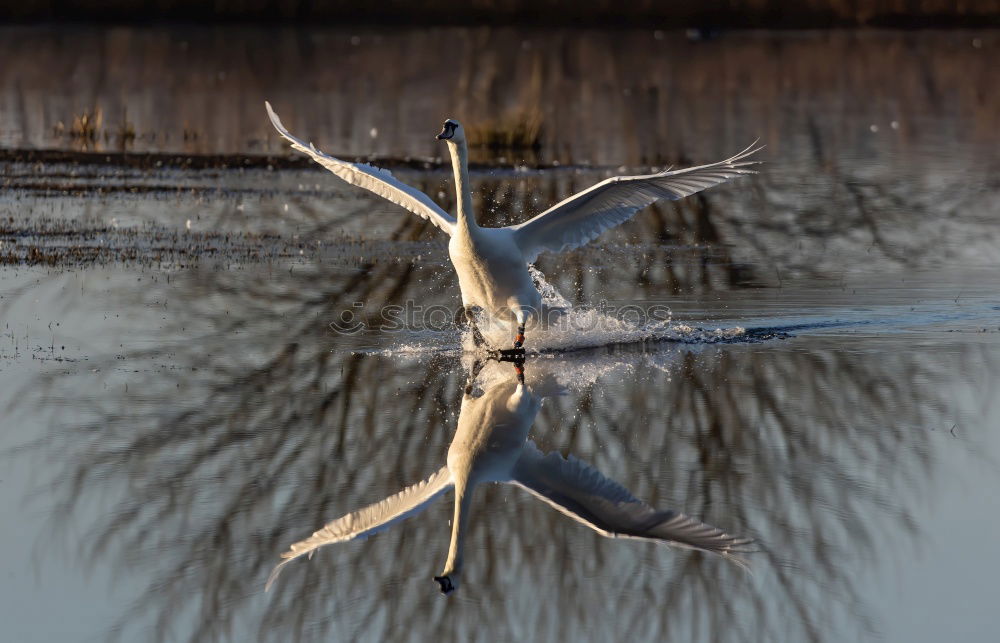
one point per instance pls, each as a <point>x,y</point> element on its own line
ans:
<point>460,165</point>
<point>463,503</point>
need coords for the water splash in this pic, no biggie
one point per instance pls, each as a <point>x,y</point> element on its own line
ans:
<point>564,327</point>
<point>550,296</point>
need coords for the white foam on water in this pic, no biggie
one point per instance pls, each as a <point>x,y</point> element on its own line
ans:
<point>567,327</point>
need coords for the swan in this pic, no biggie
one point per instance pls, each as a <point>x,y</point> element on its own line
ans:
<point>492,263</point>
<point>491,444</point>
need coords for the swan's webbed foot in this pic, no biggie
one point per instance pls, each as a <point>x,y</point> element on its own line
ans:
<point>447,587</point>
<point>516,357</point>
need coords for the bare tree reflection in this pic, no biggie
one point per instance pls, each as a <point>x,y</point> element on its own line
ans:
<point>236,437</point>
<point>234,443</point>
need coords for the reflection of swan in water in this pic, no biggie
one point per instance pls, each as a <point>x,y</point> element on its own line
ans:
<point>492,263</point>
<point>491,445</point>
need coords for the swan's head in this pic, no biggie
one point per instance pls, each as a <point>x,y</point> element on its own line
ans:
<point>448,582</point>
<point>452,131</point>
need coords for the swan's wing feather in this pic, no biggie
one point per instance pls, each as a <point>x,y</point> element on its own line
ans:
<point>586,495</point>
<point>371,178</point>
<point>582,217</point>
<point>372,519</point>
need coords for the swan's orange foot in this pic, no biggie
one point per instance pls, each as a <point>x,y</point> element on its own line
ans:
<point>519,339</point>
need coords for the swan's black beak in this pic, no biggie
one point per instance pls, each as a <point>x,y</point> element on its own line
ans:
<point>445,581</point>
<point>448,131</point>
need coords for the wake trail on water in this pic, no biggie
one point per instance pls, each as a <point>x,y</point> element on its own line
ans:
<point>583,328</point>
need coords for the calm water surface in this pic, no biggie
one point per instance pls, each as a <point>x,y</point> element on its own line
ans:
<point>178,408</point>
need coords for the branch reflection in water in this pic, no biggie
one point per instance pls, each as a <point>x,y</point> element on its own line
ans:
<point>241,440</point>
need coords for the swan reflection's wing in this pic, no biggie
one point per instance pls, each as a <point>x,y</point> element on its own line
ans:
<point>586,495</point>
<point>372,519</point>
<point>373,179</point>
<point>579,219</point>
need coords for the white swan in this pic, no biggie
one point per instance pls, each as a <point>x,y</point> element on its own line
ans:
<point>492,263</point>
<point>491,445</point>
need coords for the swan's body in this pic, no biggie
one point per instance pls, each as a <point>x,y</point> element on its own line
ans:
<point>492,273</point>
<point>492,263</point>
<point>491,444</point>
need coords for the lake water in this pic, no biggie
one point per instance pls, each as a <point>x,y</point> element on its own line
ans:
<point>179,407</point>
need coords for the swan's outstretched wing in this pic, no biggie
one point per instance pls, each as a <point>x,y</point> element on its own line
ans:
<point>372,519</point>
<point>586,495</point>
<point>373,179</point>
<point>582,217</point>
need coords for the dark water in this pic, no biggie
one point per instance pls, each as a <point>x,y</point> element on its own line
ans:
<point>633,97</point>
<point>178,408</point>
